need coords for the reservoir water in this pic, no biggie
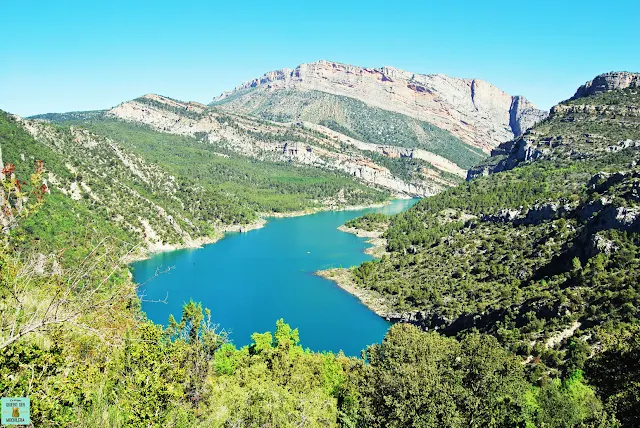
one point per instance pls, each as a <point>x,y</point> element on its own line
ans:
<point>250,280</point>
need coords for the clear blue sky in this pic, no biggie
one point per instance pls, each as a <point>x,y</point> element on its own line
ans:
<point>72,55</point>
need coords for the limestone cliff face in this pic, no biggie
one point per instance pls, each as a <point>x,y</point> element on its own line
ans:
<point>473,110</point>
<point>523,115</point>
<point>608,82</point>
<point>569,132</point>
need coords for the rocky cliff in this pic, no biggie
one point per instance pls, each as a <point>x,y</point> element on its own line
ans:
<point>602,117</point>
<point>608,82</point>
<point>475,111</point>
<point>523,115</point>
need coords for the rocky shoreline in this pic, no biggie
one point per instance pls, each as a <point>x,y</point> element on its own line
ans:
<point>379,244</point>
<point>343,278</point>
<point>199,242</point>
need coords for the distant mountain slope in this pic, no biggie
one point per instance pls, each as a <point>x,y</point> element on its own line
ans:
<point>401,170</point>
<point>543,254</point>
<point>359,121</point>
<point>471,110</point>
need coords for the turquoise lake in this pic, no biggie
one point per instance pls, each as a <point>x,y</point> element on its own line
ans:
<point>250,280</point>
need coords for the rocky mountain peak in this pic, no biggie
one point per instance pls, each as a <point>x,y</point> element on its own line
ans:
<point>473,110</point>
<point>523,115</point>
<point>608,82</point>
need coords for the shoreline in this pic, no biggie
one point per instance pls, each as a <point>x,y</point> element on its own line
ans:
<point>221,232</point>
<point>316,210</point>
<point>378,244</point>
<point>198,242</point>
<point>343,279</point>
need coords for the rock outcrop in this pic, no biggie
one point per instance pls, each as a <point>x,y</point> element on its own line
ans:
<point>615,127</point>
<point>473,110</point>
<point>523,115</point>
<point>608,82</point>
<point>537,214</point>
<point>601,213</point>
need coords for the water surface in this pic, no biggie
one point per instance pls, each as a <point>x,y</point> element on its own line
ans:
<point>249,280</point>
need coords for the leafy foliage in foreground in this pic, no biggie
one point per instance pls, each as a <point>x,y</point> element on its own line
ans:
<point>615,373</point>
<point>154,377</point>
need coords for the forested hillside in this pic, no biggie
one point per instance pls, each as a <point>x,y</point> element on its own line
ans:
<point>540,249</point>
<point>158,189</point>
<point>396,168</point>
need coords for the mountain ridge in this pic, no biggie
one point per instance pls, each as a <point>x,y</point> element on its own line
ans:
<point>455,104</point>
<point>389,145</point>
<point>304,145</point>
<point>608,82</point>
